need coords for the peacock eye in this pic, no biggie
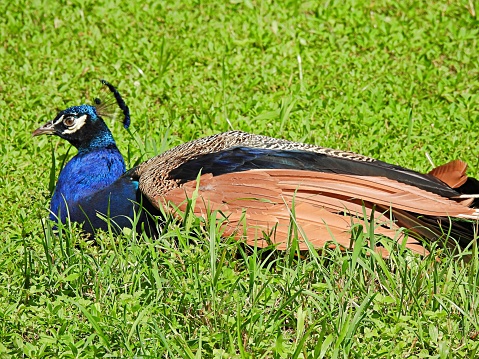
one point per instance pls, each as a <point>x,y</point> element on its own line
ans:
<point>69,121</point>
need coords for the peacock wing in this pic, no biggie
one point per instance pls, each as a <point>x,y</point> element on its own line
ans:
<point>452,173</point>
<point>266,205</point>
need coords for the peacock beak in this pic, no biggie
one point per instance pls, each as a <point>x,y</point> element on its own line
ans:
<point>46,129</point>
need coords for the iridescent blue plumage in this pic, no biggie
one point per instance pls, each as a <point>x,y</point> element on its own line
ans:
<point>91,170</point>
<point>85,109</point>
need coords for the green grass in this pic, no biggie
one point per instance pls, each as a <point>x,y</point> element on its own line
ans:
<point>389,79</point>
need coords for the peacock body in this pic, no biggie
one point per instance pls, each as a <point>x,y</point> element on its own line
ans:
<point>257,186</point>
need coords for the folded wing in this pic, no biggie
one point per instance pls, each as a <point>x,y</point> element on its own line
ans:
<point>263,206</point>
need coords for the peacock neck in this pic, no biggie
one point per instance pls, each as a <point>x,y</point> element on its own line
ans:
<point>94,168</point>
<point>102,141</point>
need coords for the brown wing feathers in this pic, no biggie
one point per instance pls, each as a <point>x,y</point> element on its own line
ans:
<point>323,206</point>
<point>452,173</point>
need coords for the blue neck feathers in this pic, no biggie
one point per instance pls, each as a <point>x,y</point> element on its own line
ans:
<point>97,165</point>
<point>101,140</point>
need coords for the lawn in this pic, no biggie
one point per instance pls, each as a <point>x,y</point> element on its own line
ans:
<point>394,80</point>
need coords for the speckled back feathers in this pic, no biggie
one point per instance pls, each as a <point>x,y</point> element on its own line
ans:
<point>154,173</point>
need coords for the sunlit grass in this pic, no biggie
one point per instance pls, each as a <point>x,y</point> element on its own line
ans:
<point>392,80</point>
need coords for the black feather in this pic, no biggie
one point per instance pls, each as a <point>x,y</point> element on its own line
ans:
<point>246,158</point>
<point>121,103</point>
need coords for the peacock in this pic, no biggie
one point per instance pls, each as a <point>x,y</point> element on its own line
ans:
<point>257,187</point>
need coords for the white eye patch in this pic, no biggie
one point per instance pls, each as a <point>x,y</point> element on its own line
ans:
<point>58,121</point>
<point>79,122</point>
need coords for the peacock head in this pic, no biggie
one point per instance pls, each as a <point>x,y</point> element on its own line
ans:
<point>80,125</point>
